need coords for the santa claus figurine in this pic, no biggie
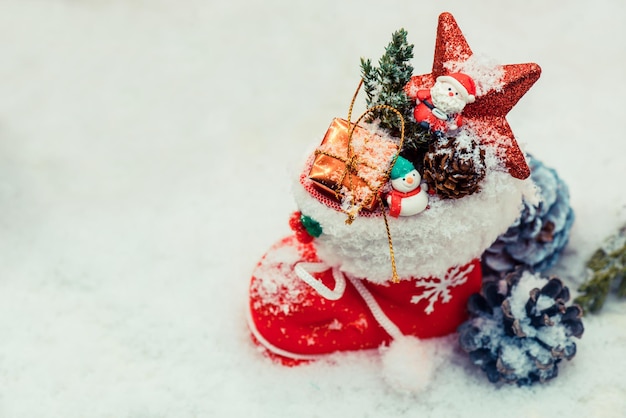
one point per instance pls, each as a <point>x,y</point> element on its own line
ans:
<point>439,108</point>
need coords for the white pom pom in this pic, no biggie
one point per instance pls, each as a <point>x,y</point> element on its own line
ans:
<point>408,366</point>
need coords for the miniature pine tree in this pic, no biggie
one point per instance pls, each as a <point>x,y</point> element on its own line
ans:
<point>607,266</point>
<point>385,85</point>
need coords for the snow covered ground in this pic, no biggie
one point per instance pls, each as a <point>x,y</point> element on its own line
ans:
<point>145,157</point>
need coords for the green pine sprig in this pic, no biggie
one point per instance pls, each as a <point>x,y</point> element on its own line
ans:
<point>385,85</point>
<point>608,268</point>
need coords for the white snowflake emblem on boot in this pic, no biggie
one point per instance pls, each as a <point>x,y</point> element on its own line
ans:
<point>439,288</point>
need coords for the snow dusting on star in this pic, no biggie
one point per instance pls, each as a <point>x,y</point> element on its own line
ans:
<point>499,88</point>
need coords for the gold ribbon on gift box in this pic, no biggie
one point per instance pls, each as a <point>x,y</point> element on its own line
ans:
<point>357,176</point>
<point>336,173</point>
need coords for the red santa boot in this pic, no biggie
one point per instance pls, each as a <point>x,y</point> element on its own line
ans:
<point>301,308</point>
<point>353,277</point>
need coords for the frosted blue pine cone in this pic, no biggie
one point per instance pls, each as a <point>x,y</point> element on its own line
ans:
<point>537,237</point>
<point>520,329</point>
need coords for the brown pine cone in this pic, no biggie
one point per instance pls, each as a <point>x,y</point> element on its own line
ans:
<point>454,171</point>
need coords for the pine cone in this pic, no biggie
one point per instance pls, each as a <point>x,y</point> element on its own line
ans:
<point>454,168</point>
<point>537,237</point>
<point>519,332</point>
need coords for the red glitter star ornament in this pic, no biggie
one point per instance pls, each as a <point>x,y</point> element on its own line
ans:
<point>487,115</point>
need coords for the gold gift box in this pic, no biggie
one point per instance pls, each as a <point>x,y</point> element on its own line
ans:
<point>354,168</point>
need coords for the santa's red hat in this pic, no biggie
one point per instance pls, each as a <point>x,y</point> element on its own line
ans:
<point>463,83</point>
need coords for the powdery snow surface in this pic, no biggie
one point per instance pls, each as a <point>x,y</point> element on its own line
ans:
<point>146,152</point>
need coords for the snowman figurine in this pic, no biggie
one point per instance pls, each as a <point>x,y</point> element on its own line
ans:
<point>407,196</point>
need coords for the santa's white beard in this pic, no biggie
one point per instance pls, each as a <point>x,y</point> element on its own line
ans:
<point>443,101</point>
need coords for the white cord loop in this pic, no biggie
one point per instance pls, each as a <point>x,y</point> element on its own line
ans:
<point>304,270</point>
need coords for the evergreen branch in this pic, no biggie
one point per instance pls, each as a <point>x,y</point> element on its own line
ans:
<point>385,85</point>
<point>595,293</point>
<point>370,80</point>
<point>621,289</point>
<point>607,267</point>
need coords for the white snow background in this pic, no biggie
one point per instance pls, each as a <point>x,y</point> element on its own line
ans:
<point>146,153</point>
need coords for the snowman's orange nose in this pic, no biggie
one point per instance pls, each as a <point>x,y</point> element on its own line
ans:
<point>409,180</point>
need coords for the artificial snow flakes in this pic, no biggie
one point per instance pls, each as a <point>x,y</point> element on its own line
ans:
<point>276,288</point>
<point>487,74</point>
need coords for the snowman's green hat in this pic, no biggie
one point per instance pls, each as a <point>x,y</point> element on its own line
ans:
<point>401,168</point>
